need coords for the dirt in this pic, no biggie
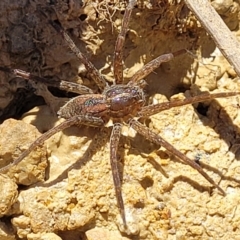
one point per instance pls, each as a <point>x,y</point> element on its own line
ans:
<point>164,199</point>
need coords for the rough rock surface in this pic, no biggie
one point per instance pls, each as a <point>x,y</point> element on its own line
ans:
<point>164,199</point>
<point>9,194</point>
<point>15,138</point>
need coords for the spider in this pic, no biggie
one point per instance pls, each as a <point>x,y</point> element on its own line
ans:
<point>121,103</point>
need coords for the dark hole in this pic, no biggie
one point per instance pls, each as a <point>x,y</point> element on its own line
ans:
<point>82,17</point>
<point>180,89</point>
<point>61,93</point>
<point>23,101</point>
<point>52,2</point>
<point>202,109</point>
<point>192,34</point>
<point>56,22</point>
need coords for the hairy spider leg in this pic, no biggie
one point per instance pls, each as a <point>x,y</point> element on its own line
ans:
<point>114,141</point>
<point>116,131</point>
<point>118,53</point>
<point>92,71</point>
<point>63,85</point>
<point>75,120</point>
<point>152,65</point>
<point>155,138</point>
<point>151,136</point>
<point>156,108</point>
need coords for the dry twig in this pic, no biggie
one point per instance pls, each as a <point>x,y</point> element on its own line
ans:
<point>214,25</point>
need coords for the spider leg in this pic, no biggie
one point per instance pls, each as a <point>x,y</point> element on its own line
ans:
<point>118,53</point>
<point>92,71</point>
<point>114,140</point>
<point>153,137</point>
<point>152,65</point>
<point>63,85</point>
<point>76,120</point>
<point>156,108</point>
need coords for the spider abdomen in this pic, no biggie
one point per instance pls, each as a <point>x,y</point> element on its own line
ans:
<point>90,104</point>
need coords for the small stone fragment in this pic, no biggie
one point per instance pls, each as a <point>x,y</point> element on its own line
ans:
<point>43,236</point>
<point>9,193</point>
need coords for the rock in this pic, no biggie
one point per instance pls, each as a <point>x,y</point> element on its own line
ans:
<point>8,188</point>
<point>16,137</point>
<point>43,236</point>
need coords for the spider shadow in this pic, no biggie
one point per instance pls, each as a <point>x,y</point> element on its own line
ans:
<point>226,130</point>
<point>149,147</point>
<point>99,140</point>
<point>139,142</point>
<point>193,183</point>
<point>197,185</point>
<point>209,168</point>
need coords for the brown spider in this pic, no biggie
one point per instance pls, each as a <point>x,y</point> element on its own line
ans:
<point>121,103</point>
